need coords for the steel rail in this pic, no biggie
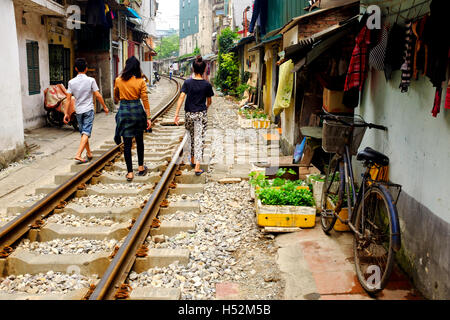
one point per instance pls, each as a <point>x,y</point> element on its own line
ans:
<point>117,271</point>
<point>123,261</point>
<point>19,226</point>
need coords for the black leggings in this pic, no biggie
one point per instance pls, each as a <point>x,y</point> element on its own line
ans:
<point>128,142</point>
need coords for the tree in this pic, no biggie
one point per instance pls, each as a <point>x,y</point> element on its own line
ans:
<point>227,78</point>
<point>168,47</point>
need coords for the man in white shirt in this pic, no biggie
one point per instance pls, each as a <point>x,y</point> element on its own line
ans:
<point>83,88</point>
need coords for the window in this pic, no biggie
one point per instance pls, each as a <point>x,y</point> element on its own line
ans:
<point>183,3</point>
<point>195,19</point>
<point>189,23</point>
<point>34,83</point>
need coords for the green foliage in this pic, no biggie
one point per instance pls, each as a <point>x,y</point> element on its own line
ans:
<point>287,195</point>
<point>240,90</point>
<point>227,78</point>
<point>261,180</point>
<point>228,74</point>
<point>245,76</point>
<point>169,47</point>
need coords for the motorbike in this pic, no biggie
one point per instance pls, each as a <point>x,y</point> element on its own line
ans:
<point>54,104</point>
<point>157,76</point>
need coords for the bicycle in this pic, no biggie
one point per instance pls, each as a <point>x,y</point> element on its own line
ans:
<point>372,212</point>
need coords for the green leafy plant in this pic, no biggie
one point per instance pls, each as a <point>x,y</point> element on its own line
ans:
<point>288,195</point>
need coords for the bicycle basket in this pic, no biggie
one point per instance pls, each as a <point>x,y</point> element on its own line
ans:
<point>336,134</point>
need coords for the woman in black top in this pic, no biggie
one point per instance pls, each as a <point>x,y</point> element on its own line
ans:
<point>198,93</point>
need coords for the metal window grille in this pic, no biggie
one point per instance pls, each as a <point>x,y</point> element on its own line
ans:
<point>34,84</point>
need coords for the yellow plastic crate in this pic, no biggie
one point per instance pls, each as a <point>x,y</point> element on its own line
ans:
<point>285,216</point>
<point>339,226</point>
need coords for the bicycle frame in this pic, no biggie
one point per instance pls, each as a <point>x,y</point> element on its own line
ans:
<point>346,172</point>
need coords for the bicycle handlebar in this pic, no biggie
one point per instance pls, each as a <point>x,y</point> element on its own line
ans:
<point>364,124</point>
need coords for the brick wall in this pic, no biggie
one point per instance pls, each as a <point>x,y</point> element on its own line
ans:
<point>316,23</point>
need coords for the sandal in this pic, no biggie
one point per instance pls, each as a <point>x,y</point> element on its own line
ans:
<point>89,158</point>
<point>143,173</point>
<point>198,173</point>
<point>77,161</point>
<point>129,179</point>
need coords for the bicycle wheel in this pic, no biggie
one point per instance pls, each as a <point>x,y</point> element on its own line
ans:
<point>330,190</point>
<point>374,253</point>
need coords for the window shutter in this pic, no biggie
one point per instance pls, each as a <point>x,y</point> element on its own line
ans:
<point>34,85</point>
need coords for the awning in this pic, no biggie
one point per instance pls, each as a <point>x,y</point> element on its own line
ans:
<point>267,41</point>
<point>132,14</point>
<point>243,42</point>
<point>308,49</point>
<point>296,20</point>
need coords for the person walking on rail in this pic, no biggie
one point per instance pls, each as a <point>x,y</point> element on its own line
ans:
<point>132,119</point>
<point>82,88</point>
<point>171,71</point>
<point>198,93</point>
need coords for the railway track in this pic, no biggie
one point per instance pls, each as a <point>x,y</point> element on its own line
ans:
<point>91,231</point>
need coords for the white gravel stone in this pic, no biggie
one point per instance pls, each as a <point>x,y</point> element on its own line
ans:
<point>69,246</point>
<point>51,282</point>
<point>97,201</point>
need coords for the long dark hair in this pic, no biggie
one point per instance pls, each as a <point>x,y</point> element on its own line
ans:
<point>132,68</point>
<point>199,65</point>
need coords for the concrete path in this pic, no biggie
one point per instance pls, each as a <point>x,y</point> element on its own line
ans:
<point>56,149</point>
<point>316,266</point>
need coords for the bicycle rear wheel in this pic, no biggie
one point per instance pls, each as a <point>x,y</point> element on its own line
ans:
<point>373,251</point>
<point>330,190</point>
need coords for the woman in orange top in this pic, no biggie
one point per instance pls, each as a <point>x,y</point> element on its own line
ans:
<point>132,118</point>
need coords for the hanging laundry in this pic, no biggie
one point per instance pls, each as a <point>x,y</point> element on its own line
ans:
<point>285,88</point>
<point>378,53</point>
<point>436,37</point>
<point>394,49</point>
<point>437,102</point>
<point>420,49</point>
<point>357,70</point>
<point>447,97</point>
<point>260,9</point>
<point>407,57</point>
<point>95,12</point>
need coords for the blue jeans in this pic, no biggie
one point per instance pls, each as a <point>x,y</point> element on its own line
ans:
<point>85,122</point>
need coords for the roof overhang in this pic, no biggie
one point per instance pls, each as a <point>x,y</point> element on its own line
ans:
<point>308,49</point>
<point>243,42</point>
<point>296,20</point>
<point>44,7</point>
<point>267,41</point>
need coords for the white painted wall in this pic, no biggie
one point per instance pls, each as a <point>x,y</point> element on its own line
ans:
<point>33,105</point>
<point>417,144</point>
<point>11,120</point>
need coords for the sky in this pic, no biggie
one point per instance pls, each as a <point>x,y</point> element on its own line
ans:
<point>168,15</point>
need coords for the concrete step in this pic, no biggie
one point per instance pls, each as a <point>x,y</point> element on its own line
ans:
<point>46,189</point>
<point>187,189</point>
<point>52,231</point>
<point>107,178</point>
<point>121,166</point>
<point>95,190</point>
<point>161,258</point>
<point>154,293</point>
<point>22,261</point>
<point>77,294</point>
<point>189,177</point>
<point>182,205</point>
<point>171,228</point>
<point>118,214</point>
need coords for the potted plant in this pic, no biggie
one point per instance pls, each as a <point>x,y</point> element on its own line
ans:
<point>285,206</point>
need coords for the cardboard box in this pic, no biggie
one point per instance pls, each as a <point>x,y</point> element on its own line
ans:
<point>332,101</point>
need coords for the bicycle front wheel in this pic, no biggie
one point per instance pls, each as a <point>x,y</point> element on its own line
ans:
<point>373,248</point>
<point>331,190</point>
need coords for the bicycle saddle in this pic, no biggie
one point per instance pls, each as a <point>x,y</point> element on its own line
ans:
<point>368,154</point>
